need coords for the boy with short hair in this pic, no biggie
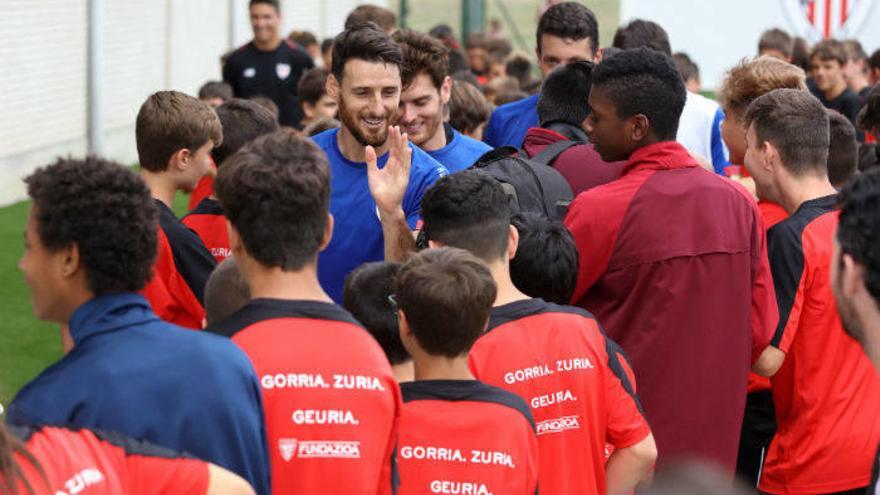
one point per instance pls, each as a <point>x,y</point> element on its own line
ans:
<point>546,261</point>
<point>215,93</point>
<point>776,43</point>
<point>369,295</point>
<point>243,121</point>
<point>444,298</point>
<point>175,134</point>
<point>827,59</point>
<point>227,292</point>
<point>313,98</point>
<point>843,150</point>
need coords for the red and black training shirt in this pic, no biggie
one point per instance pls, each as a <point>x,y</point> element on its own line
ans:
<point>183,265</point>
<point>558,360</point>
<point>329,395</point>
<point>827,393</point>
<point>208,222</point>
<point>463,436</point>
<point>81,461</point>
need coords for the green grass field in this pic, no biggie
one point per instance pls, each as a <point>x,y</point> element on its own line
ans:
<point>26,345</point>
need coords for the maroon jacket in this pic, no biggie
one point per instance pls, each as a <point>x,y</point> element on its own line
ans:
<point>580,165</point>
<point>673,263</point>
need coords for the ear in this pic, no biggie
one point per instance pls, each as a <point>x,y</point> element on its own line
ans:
<point>308,110</point>
<point>852,276</point>
<point>179,159</point>
<point>432,244</point>
<point>600,54</point>
<point>332,87</point>
<point>406,337</point>
<point>70,260</point>
<point>512,242</point>
<point>446,90</point>
<point>640,127</point>
<point>235,243</point>
<point>771,156</point>
<point>328,233</point>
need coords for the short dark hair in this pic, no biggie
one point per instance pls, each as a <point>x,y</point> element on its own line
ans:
<point>800,53</point>
<point>644,81</point>
<point>103,208</point>
<point>858,230</point>
<point>169,121</point>
<point>640,33</point>
<point>874,60</point>
<point>267,103</point>
<point>364,42</point>
<point>546,261</point>
<point>243,121</point>
<point>273,3</point>
<point>776,39</point>
<point>869,116</point>
<point>446,295</point>
<point>686,66</point>
<point>854,51</point>
<point>382,17</point>
<point>275,191</point>
<point>843,149</point>
<point>468,210</point>
<point>303,38</point>
<point>422,53</point>
<point>312,86</point>
<point>327,45</point>
<point>320,125</point>
<point>468,108</point>
<point>215,89</point>
<point>564,94</point>
<point>226,291</point>
<point>829,50</point>
<point>569,20</point>
<point>520,67</point>
<point>796,123</point>
<point>367,296</point>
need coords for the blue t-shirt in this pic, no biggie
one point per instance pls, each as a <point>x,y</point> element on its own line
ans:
<point>509,123</point>
<point>357,231</point>
<point>460,153</point>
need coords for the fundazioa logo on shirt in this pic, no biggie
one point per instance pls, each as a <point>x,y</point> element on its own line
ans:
<point>558,425</point>
<point>318,449</point>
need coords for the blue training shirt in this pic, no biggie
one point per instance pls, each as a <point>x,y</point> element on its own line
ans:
<point>460,153</point>
<point>357,231</point>
<point>509,123</point>
<point>134,374</point>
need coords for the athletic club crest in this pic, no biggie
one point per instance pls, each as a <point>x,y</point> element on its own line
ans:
<point>287,446</point>
<point>282,70</point>
<point>818,19</point>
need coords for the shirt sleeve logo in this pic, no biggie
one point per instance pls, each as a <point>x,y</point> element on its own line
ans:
<point>282,71</point>
<point>249,72</point>
<point>287,446</point>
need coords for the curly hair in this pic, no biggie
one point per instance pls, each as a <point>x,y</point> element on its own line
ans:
<point>275,191</point>
<point>750,79</point>
<point>104,209</point>
<point>569,20</point>
<point>644,81</point>
<point>546,261</point>
<point>859,228</point>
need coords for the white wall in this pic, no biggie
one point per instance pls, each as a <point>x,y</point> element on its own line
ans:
<point>718,34</point>
<point>148,46</point>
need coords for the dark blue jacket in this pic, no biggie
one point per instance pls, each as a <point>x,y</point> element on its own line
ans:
<point>132,373</point>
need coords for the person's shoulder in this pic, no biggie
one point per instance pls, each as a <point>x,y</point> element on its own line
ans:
<point>295,52</point>
<point>325,139</point>
<point>240,53</point>
<point>425,164</point>
<point>515,108</point>
<point>470,143</point>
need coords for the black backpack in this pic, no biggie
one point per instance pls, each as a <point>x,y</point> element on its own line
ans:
<point>531,184</point>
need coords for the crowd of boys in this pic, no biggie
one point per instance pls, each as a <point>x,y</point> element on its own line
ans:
<point>352,307</point>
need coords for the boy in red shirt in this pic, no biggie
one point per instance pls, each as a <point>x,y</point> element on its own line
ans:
<point>825,391</point>
<point>175,135</point>
<point>457,435</point>
<point>554,357</point>
<point>330,398</point>
<point>242,121</point>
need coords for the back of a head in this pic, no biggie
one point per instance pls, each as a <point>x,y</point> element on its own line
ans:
<point>519,66</point>
<point>468,210</point>
<point>843,149</point>
<point>312,86</point>
<point>776,40</point>
<point>226,292</point>
<point>869,116</point>
<point>564,94</point>
<point>569,21</point>
<point>546,261</point>
<point>364,42</point>
<point>468,108</point>
<point>686,66</point>
<point>275,191</point>
<point>800,53</point>
<point>752,78</point>
<point>644,81</point>
<point>367,295</point>
<point>446,296</point>
<point>169,121</point>
<point>105,210</point>
<point>243,121</point>
<point>858,230</point>
<point>320,125</point>
<point>796,123</point>
<point>303,38</point>
<point>422,54</point>
<point>215,89</point>
<point>266,103</point>
<point>380,16</point>
<point>640,33</point>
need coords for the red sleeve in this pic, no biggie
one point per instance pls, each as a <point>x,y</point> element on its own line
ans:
<point>149,475</point>
<point>626,426</point>
<point>788,262</point>
<point>388,480</point>
<point>765,312</point>
<point>168,294</point>
<point>203,189</point>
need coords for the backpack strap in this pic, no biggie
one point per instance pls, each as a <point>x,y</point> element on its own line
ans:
<point>551,151</point>
<point>493,155</point>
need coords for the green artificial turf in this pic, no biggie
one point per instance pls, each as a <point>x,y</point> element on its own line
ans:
<point>27,346</point>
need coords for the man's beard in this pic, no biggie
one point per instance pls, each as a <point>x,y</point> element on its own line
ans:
<point>352,123</point>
